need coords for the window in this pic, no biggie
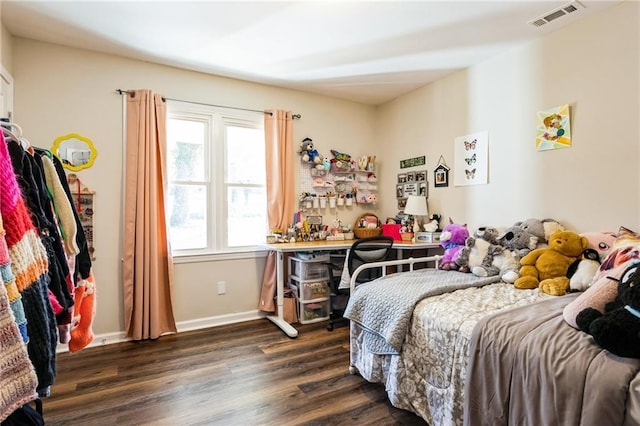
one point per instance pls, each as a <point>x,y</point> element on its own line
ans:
<point>216,195</point>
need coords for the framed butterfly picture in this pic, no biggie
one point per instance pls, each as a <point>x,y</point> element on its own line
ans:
<point>471,159</point>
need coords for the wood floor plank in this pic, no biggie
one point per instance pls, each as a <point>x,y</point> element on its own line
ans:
<point>239,374</point>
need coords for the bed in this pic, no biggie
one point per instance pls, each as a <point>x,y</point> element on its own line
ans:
<point>508,349</point>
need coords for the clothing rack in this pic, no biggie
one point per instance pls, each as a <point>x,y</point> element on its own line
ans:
<point>48,292</point>
<point>129,92</point>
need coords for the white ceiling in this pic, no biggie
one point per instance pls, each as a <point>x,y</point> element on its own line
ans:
<point>365,51</point>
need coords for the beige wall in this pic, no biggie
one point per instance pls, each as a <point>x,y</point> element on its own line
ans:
<point>6,46</point>
<point>592,186</point>
<point>60,90</point>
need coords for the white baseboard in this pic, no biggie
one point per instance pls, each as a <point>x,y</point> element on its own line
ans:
<point>198,324</point>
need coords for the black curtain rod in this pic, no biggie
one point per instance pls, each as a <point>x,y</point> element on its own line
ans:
<point>129,92</point>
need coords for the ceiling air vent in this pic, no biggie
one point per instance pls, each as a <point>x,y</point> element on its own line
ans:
<point>556,13</point>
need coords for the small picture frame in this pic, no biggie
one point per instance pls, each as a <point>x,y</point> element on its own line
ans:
<point>410,189</point>
<point>441,176</point>
<point>411,177</point>
<point>400,191</point>
<point>423,189</point>
<point>314,220</point>
<point>402,178</point>
<point>402,203</point>
<point>421,176</point>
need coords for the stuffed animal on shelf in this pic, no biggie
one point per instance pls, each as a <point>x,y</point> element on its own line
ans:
<point>309,154</point>
<point>618,329</point>
<point>582,271</point>
<point>546,268</point>
<point>475,251</point>
<point>452,239</point>
<point>541,229</point>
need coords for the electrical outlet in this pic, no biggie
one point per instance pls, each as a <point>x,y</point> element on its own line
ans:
<point>222,287</point>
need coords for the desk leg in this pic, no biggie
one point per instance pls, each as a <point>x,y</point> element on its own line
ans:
<point>279,319</point>
<point>400,256</point>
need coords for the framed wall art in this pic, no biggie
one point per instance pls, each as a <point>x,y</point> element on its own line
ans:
<point>471,159</point>
<point>423,189</point>
<point>410,188</point>
<point>441,174</point>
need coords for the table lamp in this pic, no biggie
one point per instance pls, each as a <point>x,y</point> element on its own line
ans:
<point>416,206</point>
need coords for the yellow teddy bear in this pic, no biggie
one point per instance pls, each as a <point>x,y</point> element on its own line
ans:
<point>546,268</point>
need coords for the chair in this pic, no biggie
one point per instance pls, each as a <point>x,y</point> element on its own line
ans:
<point>364,250</point>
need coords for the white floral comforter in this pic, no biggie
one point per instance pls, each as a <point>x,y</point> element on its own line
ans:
<point>427,377</point>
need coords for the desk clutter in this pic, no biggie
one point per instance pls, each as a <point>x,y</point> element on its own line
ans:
<point>307,228</point>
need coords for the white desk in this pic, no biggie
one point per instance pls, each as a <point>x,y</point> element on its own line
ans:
<point>282,248</point>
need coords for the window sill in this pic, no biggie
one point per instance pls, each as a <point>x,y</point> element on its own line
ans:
<point>253,253</point>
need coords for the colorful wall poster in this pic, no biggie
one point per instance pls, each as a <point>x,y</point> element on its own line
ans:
<point>553,129</point>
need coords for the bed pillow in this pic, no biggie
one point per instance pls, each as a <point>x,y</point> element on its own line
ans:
<point>604,287</point>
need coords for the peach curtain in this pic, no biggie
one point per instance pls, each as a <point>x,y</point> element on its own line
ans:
<point>278,127</point>
<point>147,267</point>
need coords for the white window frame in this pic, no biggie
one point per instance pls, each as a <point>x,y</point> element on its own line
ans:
<point>215,119</point>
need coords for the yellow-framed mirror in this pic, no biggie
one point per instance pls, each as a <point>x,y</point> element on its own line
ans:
<point>76,152</point>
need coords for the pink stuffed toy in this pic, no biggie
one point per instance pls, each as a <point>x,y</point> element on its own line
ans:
<point>604,286</point>
<point>453,238</point>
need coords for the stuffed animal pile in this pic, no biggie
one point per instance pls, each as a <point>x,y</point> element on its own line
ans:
<point>453,238</point>
<point>530,254</point>
<point>618,328</point>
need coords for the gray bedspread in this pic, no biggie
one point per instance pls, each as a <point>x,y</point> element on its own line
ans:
<point>528,367</point>
<point>384,307</point>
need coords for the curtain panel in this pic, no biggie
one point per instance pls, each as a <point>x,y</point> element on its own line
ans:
<point>278,127</point>
<point>147,267</point>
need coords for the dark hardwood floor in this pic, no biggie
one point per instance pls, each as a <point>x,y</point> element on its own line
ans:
<point>241,374</point>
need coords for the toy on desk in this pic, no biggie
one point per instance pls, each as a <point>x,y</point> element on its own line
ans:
<point>434,224</point>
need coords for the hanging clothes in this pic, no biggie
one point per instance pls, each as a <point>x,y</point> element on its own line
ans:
<point>29,264</point>
<point>85,292</point>
<point>83,261</point>
<point>31,177</point>
<point>18,379</point>
<point>45,264</point>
